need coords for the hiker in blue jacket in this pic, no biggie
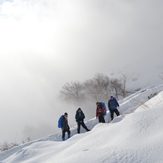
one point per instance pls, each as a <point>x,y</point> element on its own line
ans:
<point>65,126</point>
<point>112,105</point>
<point>80,120</point>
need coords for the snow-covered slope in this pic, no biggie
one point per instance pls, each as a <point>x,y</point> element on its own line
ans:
<point>135,136</point>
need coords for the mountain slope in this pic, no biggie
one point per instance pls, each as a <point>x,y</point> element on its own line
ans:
<point>134,137</point>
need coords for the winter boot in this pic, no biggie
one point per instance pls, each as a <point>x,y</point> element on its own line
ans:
<point>69,136</point>
<point>63,139</point>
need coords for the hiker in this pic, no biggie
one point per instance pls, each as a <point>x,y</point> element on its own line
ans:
<point>100,112</point>
<point>65,126</point>
<point>80,120</point>
<point>112,105</point>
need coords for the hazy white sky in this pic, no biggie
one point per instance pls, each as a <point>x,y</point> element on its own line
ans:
<point>46,43</point>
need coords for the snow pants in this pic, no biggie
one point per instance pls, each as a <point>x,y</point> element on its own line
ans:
<point>83,125</point>
<point>64,131</point>
<point>112,113</point>
<point>101,119</point>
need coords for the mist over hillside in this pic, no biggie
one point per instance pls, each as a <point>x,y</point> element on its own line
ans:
<point>47,43</point>
<point>140,74</point>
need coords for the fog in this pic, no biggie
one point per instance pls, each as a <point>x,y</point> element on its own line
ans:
<point>47,43</point>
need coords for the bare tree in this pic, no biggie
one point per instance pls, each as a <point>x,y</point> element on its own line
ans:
<point>98,87</point>
<point>72,91</point>
<point>28,139</point>
<point>124,86</point>
<point>118,87</point>
<point>115,87</point>
<point>6,146</point>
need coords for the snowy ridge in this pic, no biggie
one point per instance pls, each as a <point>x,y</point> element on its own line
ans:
<point>134,137</point>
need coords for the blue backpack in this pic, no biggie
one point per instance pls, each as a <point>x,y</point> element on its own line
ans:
<point>103,104</point>
<point>114,98</point>
<point>77,111</point>
<point>60,121</point>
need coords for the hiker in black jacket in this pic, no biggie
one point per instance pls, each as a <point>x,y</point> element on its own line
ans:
<point>65,126</point>
<point>80,120</point>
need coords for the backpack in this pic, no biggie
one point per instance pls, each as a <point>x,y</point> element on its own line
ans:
<point>114,98</point>
<point>77,111</point>
<point>103,104</point>
<point>60,121</point>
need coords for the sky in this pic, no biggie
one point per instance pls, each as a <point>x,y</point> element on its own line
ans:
<point>45,44</point>
<point>134,136</point>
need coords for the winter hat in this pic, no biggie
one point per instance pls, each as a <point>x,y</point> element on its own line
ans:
<point>97,103</point>
<point>79,109</point>
<point>111,96</point>
<point>66,114</point>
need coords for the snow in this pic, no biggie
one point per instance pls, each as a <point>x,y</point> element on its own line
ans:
<point>136,136</point>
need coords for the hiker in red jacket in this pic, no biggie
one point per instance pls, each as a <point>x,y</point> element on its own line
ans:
<point>100,112</point>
